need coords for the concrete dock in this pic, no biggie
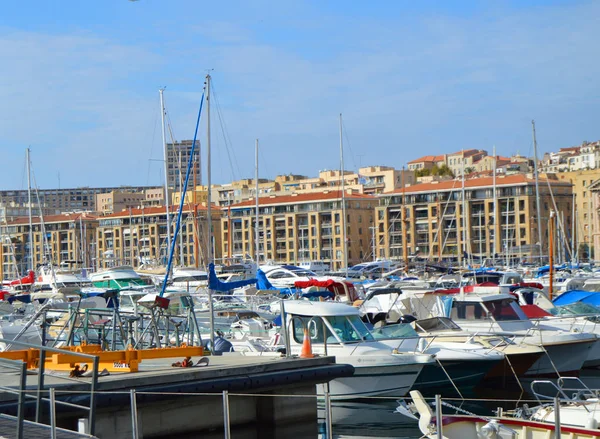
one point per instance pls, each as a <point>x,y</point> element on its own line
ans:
<point>270,392</point>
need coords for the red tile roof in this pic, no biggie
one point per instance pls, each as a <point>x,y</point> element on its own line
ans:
<point>428,158</point>
<point>302,198</point>
<point>64,217</point>
<point>516,179</point>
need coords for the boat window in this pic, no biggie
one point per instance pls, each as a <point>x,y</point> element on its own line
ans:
<point>467,311</point>
<point>503,310</point>
<point>348,329</point>
<point>280,275</point>
<point>316,330</point>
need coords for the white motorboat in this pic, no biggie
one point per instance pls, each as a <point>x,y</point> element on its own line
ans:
<point>336,329</point>
<point>500,314</point>
<point>470,426</point>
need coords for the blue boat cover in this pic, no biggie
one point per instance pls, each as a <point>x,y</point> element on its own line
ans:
<point>546,268</point>
<point>321,293</point>
<point>262,283</point>
<point>216,285</point>
<point>573,296</point>
<point>25,298</point>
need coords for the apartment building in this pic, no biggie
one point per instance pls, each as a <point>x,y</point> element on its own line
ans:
<point>430,220</point>
<point>591,252</point>
<point>63,200</point>
<point>301,227</point>
<point>574,158</point>
<point>178,156</point>
<point>368,180</point>
<point>427,162</point>
<point>65,239</point>
<point>138,236</point>
<point>585,213</point>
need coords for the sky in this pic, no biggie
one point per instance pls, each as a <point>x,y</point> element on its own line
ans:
<point>80,83</point>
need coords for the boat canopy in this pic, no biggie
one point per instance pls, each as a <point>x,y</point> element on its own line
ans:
<point>569,297</point>
<point>216,285</point>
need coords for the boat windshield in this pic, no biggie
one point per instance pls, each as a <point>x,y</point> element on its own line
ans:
<point>436,324</point>
<point>499,310</point>
<point>346,329</point>
<point>401,330</point>
<point>576,308</point>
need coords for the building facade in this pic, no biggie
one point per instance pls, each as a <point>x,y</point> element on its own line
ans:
<point>178,156</point>
<point>66,239</point>
<point>139,237</point>
<point>63,200</point>
<point>301,227</point>
<point>585,214</point>
<point>432,221</point>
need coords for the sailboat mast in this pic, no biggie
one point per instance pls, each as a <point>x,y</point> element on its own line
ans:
<point>209,252</point>
<point>29,210</point>
<point>166,160</point>
<point>345,261</point>
<point>464,208</point>
<point>537,190</point>
<point>495,195</point>
<point>256,235</point>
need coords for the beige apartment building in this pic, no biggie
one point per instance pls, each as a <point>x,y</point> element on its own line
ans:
<point>428,221</point>
<point>368,180</point>
<point>594,189</point>
<point>118,200</point>
<point>301,227</point>
<point>139,236</point>
<point>585,213</point>
<point>65,239</point>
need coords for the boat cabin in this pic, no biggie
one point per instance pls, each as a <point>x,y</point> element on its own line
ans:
<point>332,322</point>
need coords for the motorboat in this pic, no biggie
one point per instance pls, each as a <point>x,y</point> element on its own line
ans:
<point>465,425</point>
<point>285,276</point>
<point>336,329</point>
<point>122,277</point>
<point>500,314</point>
<point>189,278</point>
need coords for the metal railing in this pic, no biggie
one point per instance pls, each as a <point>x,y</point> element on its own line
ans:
<point>22,392</point>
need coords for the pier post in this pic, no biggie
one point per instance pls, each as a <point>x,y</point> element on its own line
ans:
<point>21,406</point>
<point>40,389</point>
<point>328,423</point>
<point>52,414</point>
<point>93,386</point>
<point>557,418</point>
<point>226,424</point>
<point>438,416</point>
<point>134,414</point>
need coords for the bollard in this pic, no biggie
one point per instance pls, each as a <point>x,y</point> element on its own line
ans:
<point>438,416</point>
<point>52,413</point>
<point>226,426</point>
<point>328,423</point>
<point>557,418</point>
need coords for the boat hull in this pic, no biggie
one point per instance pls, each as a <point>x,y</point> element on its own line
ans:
<point>393,380</point>
<point>465,375</point>
<point>564,358</point>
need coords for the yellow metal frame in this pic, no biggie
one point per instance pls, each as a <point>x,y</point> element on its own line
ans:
<point>113,361</point>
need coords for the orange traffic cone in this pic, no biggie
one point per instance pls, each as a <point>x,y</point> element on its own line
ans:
<point>306,346</point>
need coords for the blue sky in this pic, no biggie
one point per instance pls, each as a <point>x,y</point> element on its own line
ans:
<point>80,83</point>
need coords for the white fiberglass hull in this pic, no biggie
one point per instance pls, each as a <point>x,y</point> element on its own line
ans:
<point>562,357</point>
<point>374,377</point>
